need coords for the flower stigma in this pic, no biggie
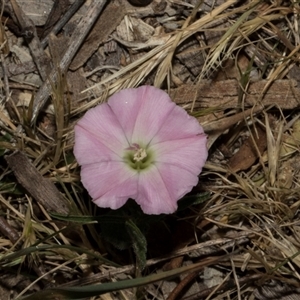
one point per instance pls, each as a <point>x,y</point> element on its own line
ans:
<point>137,157</point>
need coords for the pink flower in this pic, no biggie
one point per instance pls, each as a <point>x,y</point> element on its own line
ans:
<point>139,145</point>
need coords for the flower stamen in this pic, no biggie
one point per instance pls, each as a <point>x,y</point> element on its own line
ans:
<point>139,154</point>
<point>138,158</point>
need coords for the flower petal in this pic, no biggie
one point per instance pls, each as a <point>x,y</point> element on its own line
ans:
<point>160,189</point>
<point>141,112</point>
<point>146,117</point>
<point>177,180</point>
<point>110,184</point>
<point>89,149</point>
<point>102,125</point>
<point>189,154</point>
<point>178,125</point>
<point>153,194</point>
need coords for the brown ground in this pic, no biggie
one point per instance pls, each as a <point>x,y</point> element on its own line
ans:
<point>234,66</point>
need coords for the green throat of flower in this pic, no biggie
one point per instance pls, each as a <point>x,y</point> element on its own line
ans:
<point>138,158</point>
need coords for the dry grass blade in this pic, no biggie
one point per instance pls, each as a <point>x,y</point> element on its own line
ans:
<point>164,68</point>
<point>273,147</point>
<point>78,37</point>
<point>213,58</point>
<point>231,64</point>
<point>283,67</point>
<point>134,73</point>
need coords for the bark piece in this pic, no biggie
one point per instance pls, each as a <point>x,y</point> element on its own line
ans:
<point>30,34</point>
<point>37,11</point>
<point>40,188</point>
<point>57,11</point>
<point>216,128</point>
<point>224,94</point>
<point>192,58</point>
<point>76,40</point>
<point>23,68</point>
<point>76,84</point>
<point>63,19</point>
<point>106,24</point>
<point>225,123</point>
<point>277,290</point>
<point>8,231</point>
<point>247,154</point>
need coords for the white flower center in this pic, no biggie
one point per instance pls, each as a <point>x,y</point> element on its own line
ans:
<point>138,158</point>
<point>139,154</point>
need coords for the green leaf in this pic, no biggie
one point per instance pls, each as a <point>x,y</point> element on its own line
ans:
<point>5,260</point>
<point>139,243</point>
<point>115,232</point>
<point>74,218</point>
<point>112,226</point>
<point>5,143</point>
<point>187,201</point>
<point>95,290</point>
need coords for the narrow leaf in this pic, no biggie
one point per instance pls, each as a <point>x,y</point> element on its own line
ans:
<point>95,290</point>
<point>139,243</point>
